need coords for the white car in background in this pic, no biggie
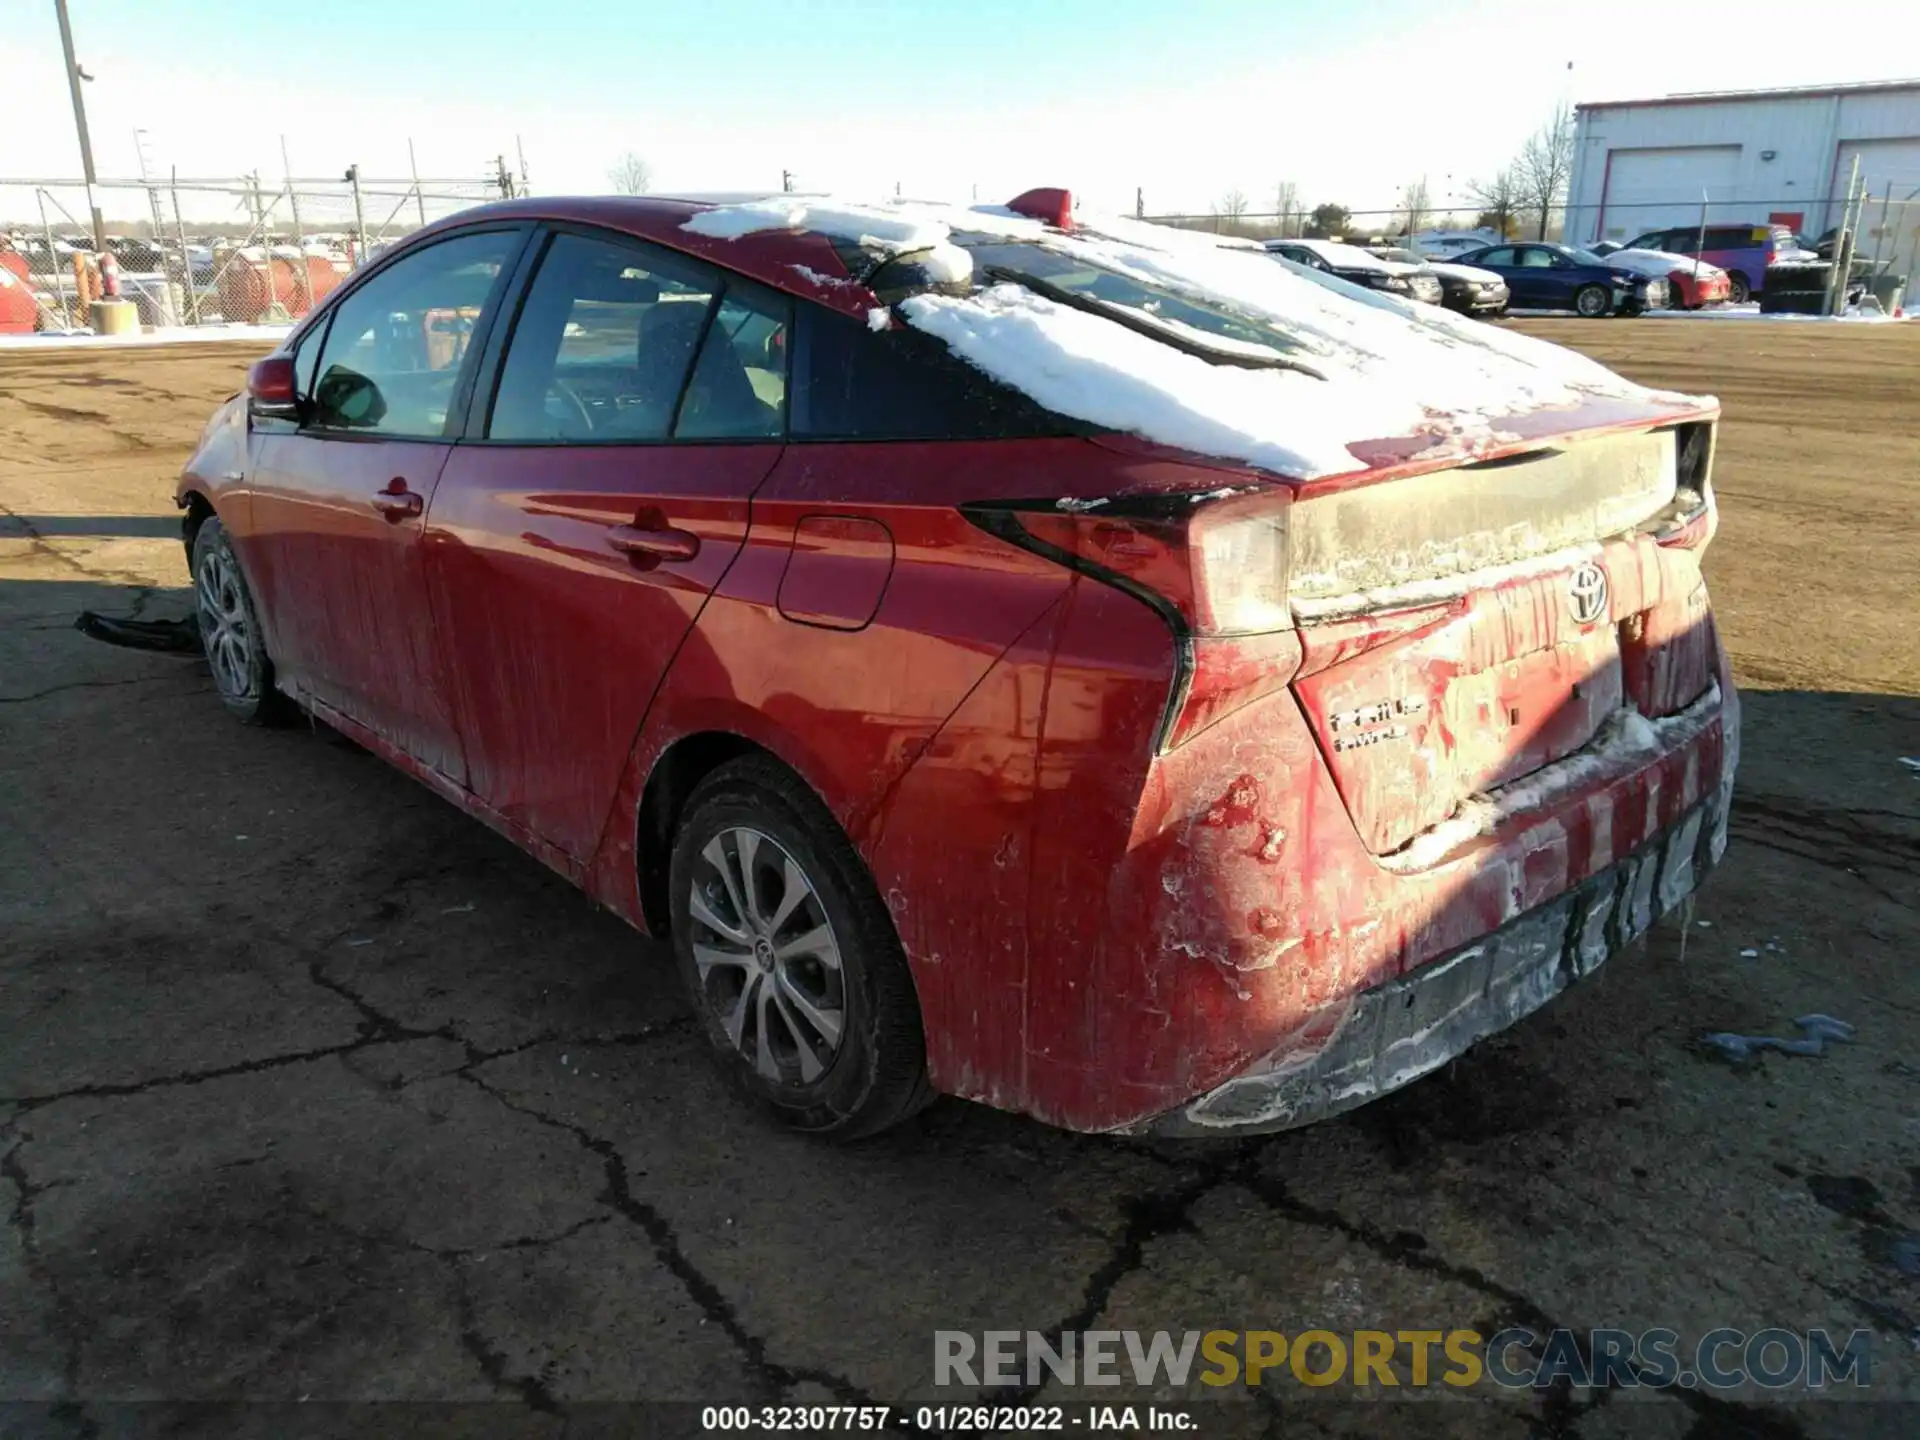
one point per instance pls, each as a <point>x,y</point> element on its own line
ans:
<point>1445,244</point>
<point>1351,263</point>
<point>1691,283</point>
<point>1466,288</point>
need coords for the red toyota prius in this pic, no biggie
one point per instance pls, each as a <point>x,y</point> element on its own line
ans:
<point>1096,671</point>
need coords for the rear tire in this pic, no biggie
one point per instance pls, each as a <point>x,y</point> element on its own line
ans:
<point>230,634</point>
<point>790,959</point>
<point>1592,301</point>
<point>1738,290</point>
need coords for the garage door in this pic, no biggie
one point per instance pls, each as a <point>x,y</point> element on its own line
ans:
<point>1884,163</point>
<point>1647,189</point>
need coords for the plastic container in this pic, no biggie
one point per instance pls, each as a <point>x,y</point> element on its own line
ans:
<point>247,294</point>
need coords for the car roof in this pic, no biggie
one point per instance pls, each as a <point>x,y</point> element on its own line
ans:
<point>799,262</point>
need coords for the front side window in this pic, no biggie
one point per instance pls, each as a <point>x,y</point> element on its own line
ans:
<point>604,345</point>
<point>1499,256</point>
<point>392,353</point>
<point>1534,258</point>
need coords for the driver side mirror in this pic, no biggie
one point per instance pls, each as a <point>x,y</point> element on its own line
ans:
<point>273,389</point>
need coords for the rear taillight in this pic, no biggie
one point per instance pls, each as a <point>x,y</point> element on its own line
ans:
<point>1213,565</point>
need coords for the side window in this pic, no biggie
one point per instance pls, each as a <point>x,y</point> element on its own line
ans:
<point>739,385</point>
<point>1501,256</point>
<point>391,356</point>
<point>1534,258</point>
<point>1731,237</point>
<point>853,383</point>
<point>603,345</point>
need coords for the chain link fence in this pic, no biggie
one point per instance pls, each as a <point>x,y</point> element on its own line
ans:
<point>194,252</point>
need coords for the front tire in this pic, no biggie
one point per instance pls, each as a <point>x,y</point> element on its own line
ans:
<point>230,634</point>
<point>1592,301</point>
<point>790,959</point>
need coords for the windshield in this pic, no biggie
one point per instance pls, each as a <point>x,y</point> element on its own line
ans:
<point>1582,257</point>
<point>1403,257</point>
<point>1212,325</point>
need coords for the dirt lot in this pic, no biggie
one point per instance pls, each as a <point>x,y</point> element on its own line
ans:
<point>314,1090</point>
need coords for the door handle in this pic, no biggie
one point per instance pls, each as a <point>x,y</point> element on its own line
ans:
<point>397,502</point>
<point>653,545</point>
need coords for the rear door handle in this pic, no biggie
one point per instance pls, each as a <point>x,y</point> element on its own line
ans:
<point>397,502</point>
<point>644,545</point>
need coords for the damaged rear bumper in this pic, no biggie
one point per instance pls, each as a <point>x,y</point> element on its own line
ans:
<point>1394,1033</point>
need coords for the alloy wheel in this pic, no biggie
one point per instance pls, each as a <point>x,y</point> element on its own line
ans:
<point>226,629</point>
<point>768,960</point>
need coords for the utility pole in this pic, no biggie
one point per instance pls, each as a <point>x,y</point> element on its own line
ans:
<point>74,76</point>
<point>786,182</point>
<point>1139,202</point>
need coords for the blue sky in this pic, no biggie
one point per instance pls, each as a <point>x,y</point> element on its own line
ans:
<point>1185,100</point>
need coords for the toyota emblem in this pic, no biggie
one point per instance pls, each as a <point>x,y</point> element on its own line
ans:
<point>1587,593</point>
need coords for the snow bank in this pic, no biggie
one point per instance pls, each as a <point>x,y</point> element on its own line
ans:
<point>1393,367</point>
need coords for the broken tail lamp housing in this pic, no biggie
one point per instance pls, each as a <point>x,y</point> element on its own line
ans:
<point>1213,566</point>
<point>1692,519</point>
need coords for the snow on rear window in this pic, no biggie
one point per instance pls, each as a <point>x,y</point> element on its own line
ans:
<point>1392,367</point>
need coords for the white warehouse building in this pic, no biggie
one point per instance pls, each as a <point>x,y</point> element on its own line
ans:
<point>1750,157</point>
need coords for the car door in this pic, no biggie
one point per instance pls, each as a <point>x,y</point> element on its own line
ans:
<point>337,499</point>
<point>600,495</point>
<point>1502,262</point>
<point>1543,278</point>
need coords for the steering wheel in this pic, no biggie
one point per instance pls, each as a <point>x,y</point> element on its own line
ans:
<point>560,390</point>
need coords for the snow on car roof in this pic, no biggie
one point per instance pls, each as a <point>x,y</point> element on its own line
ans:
<point>1391,367</point>
<point>1658,262</point>
<point>1347,257</point>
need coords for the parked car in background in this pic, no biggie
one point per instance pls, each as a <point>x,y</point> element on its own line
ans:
<point>1415,281</point>
<point>137,256</point>
<point>1464,288</point>
<point>1446,244</point>
<point>1691,284</point>
<point>1543,276</point>
<point>1060,661</point>
<point>1743,251</point>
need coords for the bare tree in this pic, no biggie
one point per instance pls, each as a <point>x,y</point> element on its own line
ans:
<point>1544,166</point>
<point>1232,207</point>
<point>1498,199</point>
<point>1415,206</point>
<point>1286,200</point>
<point>630,175</point>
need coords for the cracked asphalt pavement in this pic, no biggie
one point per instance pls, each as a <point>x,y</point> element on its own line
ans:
<point>313,1090</point>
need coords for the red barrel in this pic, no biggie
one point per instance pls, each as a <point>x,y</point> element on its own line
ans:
<point>247,292</point>
<point>17,310</point>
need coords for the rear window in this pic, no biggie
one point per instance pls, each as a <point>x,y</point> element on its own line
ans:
<point>1180,318</point>
<point>1735,237</point>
